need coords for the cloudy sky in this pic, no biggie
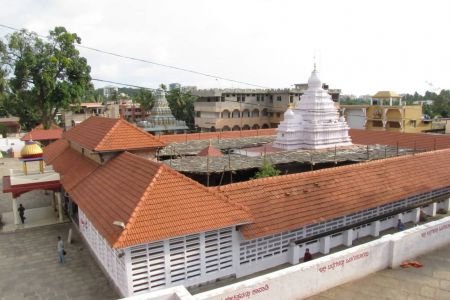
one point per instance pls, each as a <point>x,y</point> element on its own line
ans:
<point>360,46</point>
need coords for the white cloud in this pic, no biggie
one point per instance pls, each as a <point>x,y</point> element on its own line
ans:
<point>361,46</point>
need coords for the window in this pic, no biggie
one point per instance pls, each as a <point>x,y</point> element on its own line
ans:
<point>278,98</point>
<point>257,98</point>
<point>243,98</point>
<point>413,123</point>
<point>239,98</point>
<point>291,99</point>
<point>222,99</point>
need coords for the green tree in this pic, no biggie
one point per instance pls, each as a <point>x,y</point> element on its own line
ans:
<point>46,75</point>
<point>267,170</point>
<point>146,99</point>
<point>182,106</point>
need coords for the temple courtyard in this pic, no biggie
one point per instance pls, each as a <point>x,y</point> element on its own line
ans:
<point>29,268</point>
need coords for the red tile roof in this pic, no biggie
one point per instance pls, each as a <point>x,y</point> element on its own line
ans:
<point>73,168</point>
<point>420,141</point>
<point>54,150</point>
<point>170,138</point>
<point>43,134</point>
<point>210,151</point>
<point>105,134</point>
<point>288,202</point>
<point>359,136</point>
<point>154,201</point>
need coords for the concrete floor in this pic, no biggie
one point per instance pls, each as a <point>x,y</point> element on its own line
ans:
<point>432,281</point>
<point>29,268</point>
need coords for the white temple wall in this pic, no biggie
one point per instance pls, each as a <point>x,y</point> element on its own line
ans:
<point>272,250</point>
<point>111,260</point>
<point>187,260</point>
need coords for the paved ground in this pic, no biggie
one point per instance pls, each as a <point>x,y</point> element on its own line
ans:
<point>432,281</point>
<point>29,268</point>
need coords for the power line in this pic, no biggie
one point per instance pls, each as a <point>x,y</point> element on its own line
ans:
<point>153,62</point>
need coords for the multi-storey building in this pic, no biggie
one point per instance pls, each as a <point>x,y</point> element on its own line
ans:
<point>387,112</point>
<point>244,109</point>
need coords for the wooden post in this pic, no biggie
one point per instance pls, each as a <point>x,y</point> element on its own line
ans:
<point>229,166</point>
<point>368,155</point>
<point>207,170</point>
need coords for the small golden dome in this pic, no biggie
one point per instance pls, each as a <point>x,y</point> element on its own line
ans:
<point>31,150</point>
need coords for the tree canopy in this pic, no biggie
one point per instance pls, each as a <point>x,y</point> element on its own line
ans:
<point>182,106</point>
<point>267,170</point>
<point>42,76</point>
<point>146,99</point>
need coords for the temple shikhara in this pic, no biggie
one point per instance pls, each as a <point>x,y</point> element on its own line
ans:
<point>161,119</point>
<point>314,122</point>
<point>140,204</point>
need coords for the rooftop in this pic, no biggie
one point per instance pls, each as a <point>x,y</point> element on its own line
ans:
<point>147,197</point>
<point>288,202</point>
<point>105,134</point>
<point>43,134</point>
<point>386,95</point>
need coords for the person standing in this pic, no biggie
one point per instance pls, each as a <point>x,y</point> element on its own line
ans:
<point>60,249</point>
<point>307,256</point>
<point>21,210</point>
<point>400,225</point>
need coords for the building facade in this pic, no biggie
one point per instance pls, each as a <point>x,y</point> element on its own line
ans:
<point>387,112</point>
<point>245,109</point>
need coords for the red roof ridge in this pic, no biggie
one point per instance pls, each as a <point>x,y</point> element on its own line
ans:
<point>266,180</point>
<point>108,134</point>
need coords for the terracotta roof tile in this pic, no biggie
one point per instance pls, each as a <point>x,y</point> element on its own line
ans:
<point>54,150</point>
<point>43,134</point>
<point>105,134</point>
<point>210,151</point>
<point>419,141</point>
<point>154,201</point>
<point>170,138</point>
<point>288,202</point>
<point>73,168</point>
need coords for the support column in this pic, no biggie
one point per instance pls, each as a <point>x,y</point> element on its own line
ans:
<point>432,208</point>
<point>416,218</point>
<point>324,246</point>
<point>15,212</point>
<point>447,205</point>
<point>60,210</point>
<point>293,253</point>
<point>375,228</point>
<point>348,237</point>
<point>54,201</point>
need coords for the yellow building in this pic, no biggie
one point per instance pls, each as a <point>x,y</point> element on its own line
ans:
<point>387,112</point>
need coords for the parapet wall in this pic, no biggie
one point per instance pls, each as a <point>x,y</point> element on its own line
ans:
<point>318,275</point>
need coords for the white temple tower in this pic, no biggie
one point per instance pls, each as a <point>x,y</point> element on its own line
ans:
<point>314,123</point>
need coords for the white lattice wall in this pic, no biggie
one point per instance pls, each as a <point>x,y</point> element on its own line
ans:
<point>187,260</point>
<point>111,259</point>
<point>257,251</point>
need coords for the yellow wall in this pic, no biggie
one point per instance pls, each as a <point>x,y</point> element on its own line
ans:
<point>411,114</point>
